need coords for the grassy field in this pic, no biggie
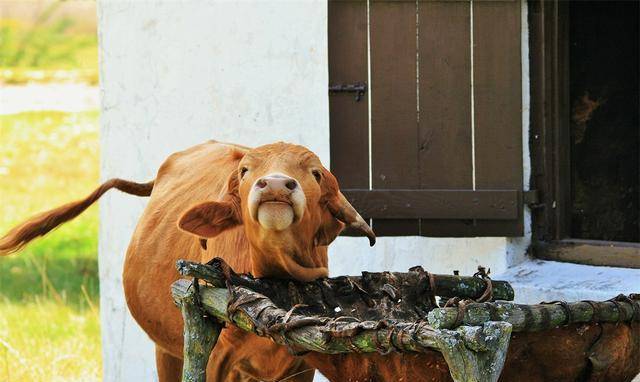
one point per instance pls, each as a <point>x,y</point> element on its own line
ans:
<point>53,46</point>
<point>49,313</point>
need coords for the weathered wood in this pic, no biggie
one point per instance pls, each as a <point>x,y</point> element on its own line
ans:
<point>471,287</point>
<point>348,119</point>
<point>590,252</point>
<point>394,148</point>
<point>372,315</point>
<point>475,354</point>
<point>532,318</point>
<point>384,312</point>
<point>215,300</point>
<point>446,286</point>
<point>209,273</point>
<point>376,312</point>
<point>435,204</point>
<point>497,104</point>
<point>200,333</point>
<point>444,123</point>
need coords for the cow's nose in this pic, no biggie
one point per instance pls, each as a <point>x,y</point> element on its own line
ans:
<point>277,182</point>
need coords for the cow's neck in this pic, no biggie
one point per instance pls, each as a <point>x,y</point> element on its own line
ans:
<point>303,264</point>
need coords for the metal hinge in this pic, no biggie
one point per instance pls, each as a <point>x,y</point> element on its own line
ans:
<point>532,199</point>
<point>360,88</point>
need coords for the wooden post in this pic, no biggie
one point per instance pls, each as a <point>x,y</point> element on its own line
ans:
<point>445,285</point>
<point>209,273</point>
<point>475,353</point>
<point>535,317</point>
<point>200,333</point>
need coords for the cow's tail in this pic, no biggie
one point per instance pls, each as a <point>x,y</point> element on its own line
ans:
<point>41,224</point>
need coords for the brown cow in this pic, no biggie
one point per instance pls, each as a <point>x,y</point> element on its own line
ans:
<point>271,211</point>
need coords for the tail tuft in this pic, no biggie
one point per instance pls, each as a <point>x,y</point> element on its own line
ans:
<point>45,222</point>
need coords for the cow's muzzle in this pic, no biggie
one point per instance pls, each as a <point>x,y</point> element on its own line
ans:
<point>276,201</point>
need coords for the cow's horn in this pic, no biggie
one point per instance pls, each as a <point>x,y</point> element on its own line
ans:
<point>342,210</point>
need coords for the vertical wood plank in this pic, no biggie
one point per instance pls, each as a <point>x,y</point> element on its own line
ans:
<point>445,95</point>
<point>394,131</point>
<point>549,116</point>
<point>498,100</point>
<point>349,120</point>
<point>445,160</point>
<point>561,110</point>
<point>539,131</point>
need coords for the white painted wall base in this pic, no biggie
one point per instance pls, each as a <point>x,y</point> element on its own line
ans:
<point>537,280</point>
<point>351,255</point>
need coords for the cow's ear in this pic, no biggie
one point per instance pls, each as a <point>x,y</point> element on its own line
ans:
<point>209,219</point>
<point>328,231</point>
<point>340,207</point>
<point>330,227</point>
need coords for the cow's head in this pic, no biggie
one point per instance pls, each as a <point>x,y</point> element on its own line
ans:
<point>288,203</point>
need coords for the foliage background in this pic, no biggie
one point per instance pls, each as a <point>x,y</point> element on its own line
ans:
<point>49,292</point>
<point>48,41</point>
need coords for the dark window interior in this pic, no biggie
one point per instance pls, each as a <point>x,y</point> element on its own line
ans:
<point>605,127</point>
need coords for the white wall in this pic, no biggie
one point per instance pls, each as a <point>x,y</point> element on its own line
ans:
<point>174,74</point>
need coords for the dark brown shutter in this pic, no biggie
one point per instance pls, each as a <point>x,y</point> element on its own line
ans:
<point>432,138</point>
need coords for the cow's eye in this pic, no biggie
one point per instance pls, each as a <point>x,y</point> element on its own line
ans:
<point>317,175</point>
<point>243,171</point>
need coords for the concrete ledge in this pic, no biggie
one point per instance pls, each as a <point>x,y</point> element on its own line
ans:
<point>537,280</point>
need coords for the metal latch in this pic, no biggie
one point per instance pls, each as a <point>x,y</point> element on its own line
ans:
<point>532,199</point>
<point>359,88</point>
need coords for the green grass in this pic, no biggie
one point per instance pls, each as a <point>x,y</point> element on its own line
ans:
<point>46,341</point>
<point>49,312</point>
<point>47,49</point>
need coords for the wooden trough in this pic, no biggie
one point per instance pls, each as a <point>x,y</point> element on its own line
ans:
<point>413,325</point>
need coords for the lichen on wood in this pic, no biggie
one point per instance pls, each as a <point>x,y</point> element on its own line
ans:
<point>388,311</point>
<point>200,333</point>
<point>375,312</point>
<point>399,295</point>
<point>210,273</point>
<point>537,317</point>
<point>474,354</point>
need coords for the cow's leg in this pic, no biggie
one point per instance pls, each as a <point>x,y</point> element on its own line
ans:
<point>169,367</point>
<point>240,356</point>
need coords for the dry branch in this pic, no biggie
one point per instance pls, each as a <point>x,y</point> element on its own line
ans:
<point>473,353</point>
<point>200,336</point>
<point>532,318</point>
<point>380,312</point>
<point>419,281</point>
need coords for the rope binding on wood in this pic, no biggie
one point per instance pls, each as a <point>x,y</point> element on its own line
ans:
<point>462,304</point>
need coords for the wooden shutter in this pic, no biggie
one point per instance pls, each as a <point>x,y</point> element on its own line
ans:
<point>434,147</point>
